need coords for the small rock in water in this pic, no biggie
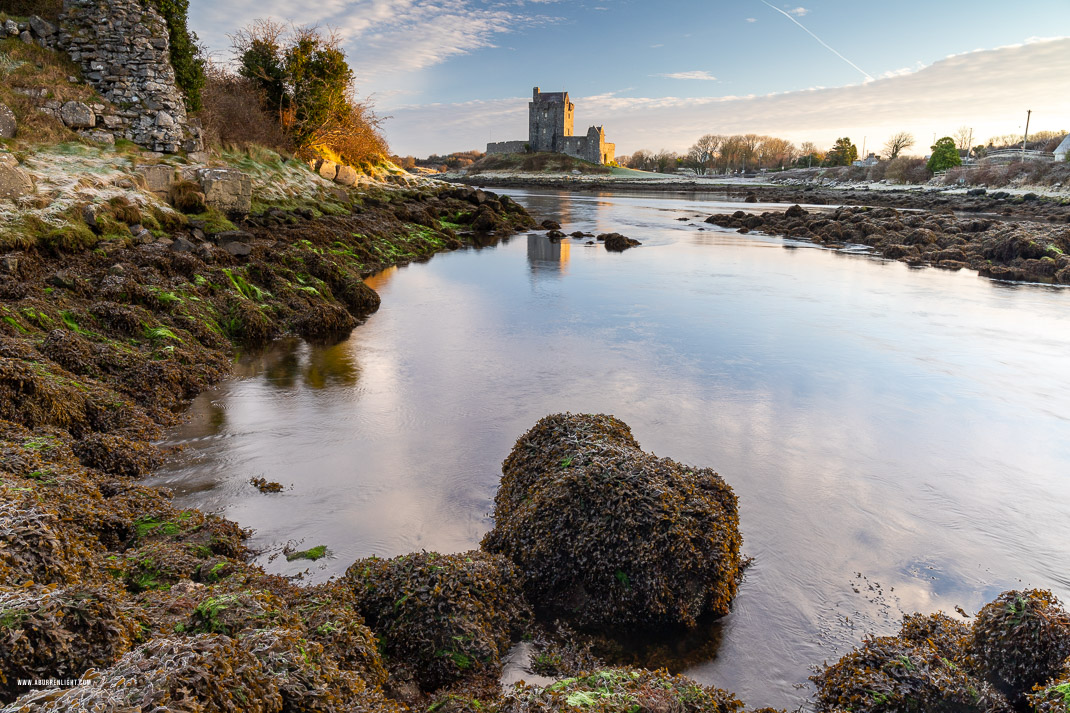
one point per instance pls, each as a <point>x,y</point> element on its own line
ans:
<point>615,242</point>
<point>264,485</point>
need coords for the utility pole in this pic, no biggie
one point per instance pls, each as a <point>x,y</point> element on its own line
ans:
<point>1028,115</point>
<point>969,146</point>
<point>863,156</point>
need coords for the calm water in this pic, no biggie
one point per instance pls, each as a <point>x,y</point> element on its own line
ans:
<point>899,438</point>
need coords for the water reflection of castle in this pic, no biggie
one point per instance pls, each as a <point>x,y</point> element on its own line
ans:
<point>548,256</point>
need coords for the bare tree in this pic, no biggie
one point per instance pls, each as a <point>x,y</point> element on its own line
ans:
<point>810,154</point>
<point>665,161</point>
<point>750,144</point>
<point>642,160</point>
<point>703,154</point>
<point>962,138</point>
<point>899,143</point>
<point>777,152</point>
<point>731,154</point>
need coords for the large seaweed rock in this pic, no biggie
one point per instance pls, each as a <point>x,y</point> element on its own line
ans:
<point>445,616</point>
<point>609,536</point>
<point>617,690</point>
<point>1020,640</point>
<point>893,675</point>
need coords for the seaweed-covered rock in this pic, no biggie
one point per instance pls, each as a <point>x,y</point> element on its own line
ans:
<point>1053,696</point>
<point>615,242</point>
<point>616,690</point>
<point>233,613</point>
<point>36,547</point>
<point>50,633</point>
<point>117,455</point>
<point>446,616</point>
<point>946,635</point>
<point>1020,640</point>
<point>607,535</point>
<point>358,297</point>
<point>202,673</point>
<point>890,675</point>
<point>323,322</point>
<point>157,565</point>
<point>332,620</point>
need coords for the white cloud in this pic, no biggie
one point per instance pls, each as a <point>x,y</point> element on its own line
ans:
<point>799,12</point>
<point>384,38</point>
<point>752,19</point>
<point>938,98</point>
<point>693,74</point>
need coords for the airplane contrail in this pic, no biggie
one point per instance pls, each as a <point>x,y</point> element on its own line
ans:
<point>823,43</point>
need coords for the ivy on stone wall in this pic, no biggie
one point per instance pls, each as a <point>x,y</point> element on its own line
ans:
<point>185,55</point>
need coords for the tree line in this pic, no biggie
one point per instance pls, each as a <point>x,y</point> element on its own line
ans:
<point>747,153</point>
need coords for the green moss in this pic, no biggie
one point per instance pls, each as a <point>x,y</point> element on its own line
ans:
<point>214,221</point>
<point>69,238</point>
<point>16,324</point>
<point>210,609</point>
<point>317,552</point>
<point>11,618</point>
<point>151,526</point>
<point>158,333</point>
<point>245,288</point>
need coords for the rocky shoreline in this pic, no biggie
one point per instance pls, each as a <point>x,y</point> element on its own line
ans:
<point>1006,204</point>
<point>1023,251</point>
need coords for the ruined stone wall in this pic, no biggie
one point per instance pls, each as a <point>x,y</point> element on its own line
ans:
<point>123,49</point>
<point>507,147</point>
<point>575,146</point>
<point>592,147</point>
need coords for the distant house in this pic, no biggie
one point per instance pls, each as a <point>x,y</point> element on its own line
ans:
<point>871,160</point>
<point>1063,149</point>
<point>550,129</point>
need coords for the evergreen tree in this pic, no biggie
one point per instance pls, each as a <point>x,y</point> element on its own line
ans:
<point>842,153</point>
<point>945,155</point>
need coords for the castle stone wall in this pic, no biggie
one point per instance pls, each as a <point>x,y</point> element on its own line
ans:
<point>507,147</point>
<point>123,48</point>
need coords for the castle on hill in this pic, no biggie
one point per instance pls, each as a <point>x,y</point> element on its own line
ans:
<point>550,129</point>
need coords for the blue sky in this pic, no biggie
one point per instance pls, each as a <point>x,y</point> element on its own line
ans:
<point>454,74</point>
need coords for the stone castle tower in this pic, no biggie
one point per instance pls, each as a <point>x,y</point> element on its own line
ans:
<point>549,116</point>
<point>550,129</point>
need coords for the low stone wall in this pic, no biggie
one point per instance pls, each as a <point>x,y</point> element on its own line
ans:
<point>507,147</point>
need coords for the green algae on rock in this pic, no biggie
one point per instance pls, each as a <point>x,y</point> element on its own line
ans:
<point>618,690</point>
<point>443,616</point>
<point>609,536</point>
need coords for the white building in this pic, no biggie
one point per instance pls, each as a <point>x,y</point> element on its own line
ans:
<point>1063,149</point>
